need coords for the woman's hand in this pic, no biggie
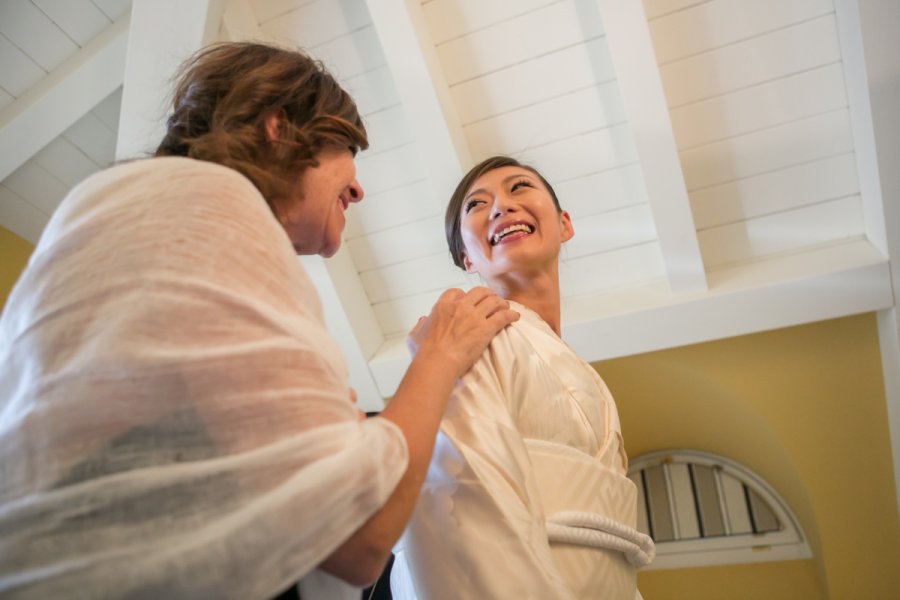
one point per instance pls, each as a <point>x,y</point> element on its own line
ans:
<point>460,327</point>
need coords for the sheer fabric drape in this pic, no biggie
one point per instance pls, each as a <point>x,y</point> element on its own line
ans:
<point>175,421</point>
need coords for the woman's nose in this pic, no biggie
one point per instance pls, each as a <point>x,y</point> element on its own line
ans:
<point>355,191</point>
<point>501,206</point>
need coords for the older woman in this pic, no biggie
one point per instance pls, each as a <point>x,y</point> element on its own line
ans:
<point>175,421</point>
<point>527,494</point>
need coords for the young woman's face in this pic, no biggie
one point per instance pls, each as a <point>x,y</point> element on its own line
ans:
<point>510,224</point>
<point>314,216</point>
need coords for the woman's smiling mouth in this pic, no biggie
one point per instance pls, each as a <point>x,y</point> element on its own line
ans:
<point>510,230</point>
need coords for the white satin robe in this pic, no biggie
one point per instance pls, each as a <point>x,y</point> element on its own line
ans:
<point>530,431</point>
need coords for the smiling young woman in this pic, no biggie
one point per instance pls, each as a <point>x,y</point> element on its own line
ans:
<point>527,494</point>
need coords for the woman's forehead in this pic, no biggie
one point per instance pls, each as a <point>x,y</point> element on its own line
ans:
<point>500,175</point>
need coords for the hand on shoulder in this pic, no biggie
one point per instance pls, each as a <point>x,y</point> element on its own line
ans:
<point>460,327</point>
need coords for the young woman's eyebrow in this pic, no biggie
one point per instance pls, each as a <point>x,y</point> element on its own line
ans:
<point>524,175</point>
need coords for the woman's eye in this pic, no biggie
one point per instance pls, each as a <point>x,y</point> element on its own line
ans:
<point>470,205</point>
<point>520,183</point>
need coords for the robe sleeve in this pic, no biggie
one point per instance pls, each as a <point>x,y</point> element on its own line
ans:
<point>174,419</point>
<point>478,528</point>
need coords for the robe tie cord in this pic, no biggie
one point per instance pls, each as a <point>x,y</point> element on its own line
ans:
<point>600,531</point>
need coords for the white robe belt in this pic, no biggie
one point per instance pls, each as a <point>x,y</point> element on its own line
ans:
<point>600,531</point>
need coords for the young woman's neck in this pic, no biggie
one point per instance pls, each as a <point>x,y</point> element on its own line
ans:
<point>539,292</point>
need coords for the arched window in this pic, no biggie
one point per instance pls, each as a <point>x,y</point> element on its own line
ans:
<point>703,509</point>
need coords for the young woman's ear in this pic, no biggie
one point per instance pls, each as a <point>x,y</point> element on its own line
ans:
<point>470,268</point>
<point>566,223</point>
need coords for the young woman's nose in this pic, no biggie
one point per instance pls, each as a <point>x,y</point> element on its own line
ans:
<point>501,206</point>
<point>355,191</point>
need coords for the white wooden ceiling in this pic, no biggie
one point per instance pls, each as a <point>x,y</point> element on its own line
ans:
<point>716,155</point>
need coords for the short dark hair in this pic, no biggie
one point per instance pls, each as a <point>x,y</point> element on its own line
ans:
<point>223,96</point>
<point>453,216</point>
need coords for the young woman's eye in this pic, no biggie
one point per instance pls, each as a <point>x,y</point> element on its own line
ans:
<point>470,205</point>
<point>520,183</point>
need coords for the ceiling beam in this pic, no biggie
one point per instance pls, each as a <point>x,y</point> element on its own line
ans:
<point>350,320</point>
<point>423,90</point>
<point>63,96</point>
<point>631,49</point>
<point>873,89</point>
<point>163,34</point>
<point>824,283</point>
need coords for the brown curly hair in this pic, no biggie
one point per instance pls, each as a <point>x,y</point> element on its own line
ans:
<point>223,96</point>
<point>453,216</point>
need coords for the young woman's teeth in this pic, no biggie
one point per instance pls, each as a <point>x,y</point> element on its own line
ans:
<point>508,230</point>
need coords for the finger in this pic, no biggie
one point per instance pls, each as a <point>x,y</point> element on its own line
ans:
<point>502,318</point>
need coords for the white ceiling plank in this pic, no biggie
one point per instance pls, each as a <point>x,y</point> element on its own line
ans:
<point>239,22</point>
<point>750,109</point>
<point>5,98</point>
<point>659,8</point>
<point>784,231</point>
<point>163,34</point>
<point>113,9</point>
<point>21,217</point>
<point>622,268</point>
<point>94,138</point>
<point>34,184</point>
<point>528,36</point>
<point>411,277</point>
<point>450,19</point>
<point>398,244</point>
<point>65,161</point>
<point>579,155</point>
<point>62,97</point>
<point>566,70</point>
<point>721,22</point>
<point>108,110</point>
<point>373,90</point>
<point>319,22</point>
<point>18,72</point>
<point>774,191</point>
<point>81,20</point>
<point>547,121</point>
<point>756,60</point>
<point>770,149</point>
<point>391,208</point>
<point>266,10</point>
<point>350,321</point>
<point>33,31</point>
<point>597,193</point>
<point>398,316</point>
<point>645,106</point>
<point>628,226</point>
<point>420,83</point>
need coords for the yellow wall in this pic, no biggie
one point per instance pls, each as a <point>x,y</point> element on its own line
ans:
<point>14,253</point>
<point>803,407</point>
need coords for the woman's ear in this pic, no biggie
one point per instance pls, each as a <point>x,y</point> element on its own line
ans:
<point>273,124</point>
<point>470,268</point>
<point>566,223</point>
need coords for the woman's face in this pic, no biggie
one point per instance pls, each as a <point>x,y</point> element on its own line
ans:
<point>314,215</point>
<point>510,225</point>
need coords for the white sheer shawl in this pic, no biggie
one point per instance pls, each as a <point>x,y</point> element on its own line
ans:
<point>174,419</point>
